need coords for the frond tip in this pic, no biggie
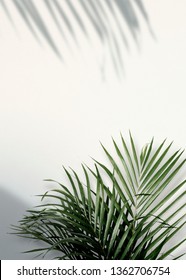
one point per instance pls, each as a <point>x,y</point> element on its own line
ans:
<point>131,213</point>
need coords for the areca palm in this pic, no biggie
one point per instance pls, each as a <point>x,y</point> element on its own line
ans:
<point>127,210</point>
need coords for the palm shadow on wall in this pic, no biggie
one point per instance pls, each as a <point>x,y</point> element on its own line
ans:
<point>112,21</point>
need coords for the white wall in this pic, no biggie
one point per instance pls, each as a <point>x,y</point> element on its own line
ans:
<point>54,113</point>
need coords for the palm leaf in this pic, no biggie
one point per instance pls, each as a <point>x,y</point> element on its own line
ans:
<point>119,211</point>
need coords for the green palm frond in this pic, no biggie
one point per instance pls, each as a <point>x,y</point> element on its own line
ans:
<point>128,210</point>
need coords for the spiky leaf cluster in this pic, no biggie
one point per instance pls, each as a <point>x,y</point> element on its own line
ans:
<point>129,210</point>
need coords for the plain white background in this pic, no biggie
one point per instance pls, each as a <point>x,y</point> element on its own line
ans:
<point>54,113</point>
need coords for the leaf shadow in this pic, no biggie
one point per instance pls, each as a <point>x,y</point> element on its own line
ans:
<point>113,22</point>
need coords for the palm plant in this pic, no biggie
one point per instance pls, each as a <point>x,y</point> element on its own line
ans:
<point>129,210</point>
